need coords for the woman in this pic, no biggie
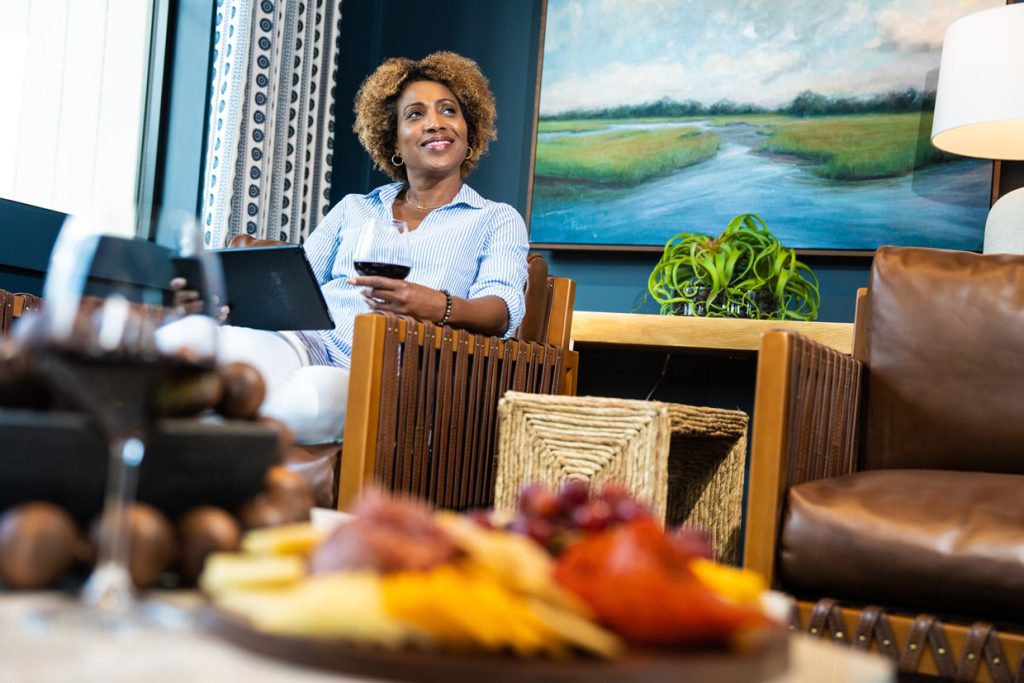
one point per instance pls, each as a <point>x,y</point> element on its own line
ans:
<point>425,124</point>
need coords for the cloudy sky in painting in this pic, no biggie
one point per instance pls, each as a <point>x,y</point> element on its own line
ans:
<point>599,53</point>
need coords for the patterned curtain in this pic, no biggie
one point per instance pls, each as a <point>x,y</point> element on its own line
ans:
<point>271,131</point>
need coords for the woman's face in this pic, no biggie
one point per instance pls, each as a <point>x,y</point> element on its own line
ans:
<point>432,135</point>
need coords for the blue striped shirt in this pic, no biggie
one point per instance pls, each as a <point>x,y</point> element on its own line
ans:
<point>472,247</point>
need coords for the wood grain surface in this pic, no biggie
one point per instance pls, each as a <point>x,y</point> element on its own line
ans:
<point>681,332</point>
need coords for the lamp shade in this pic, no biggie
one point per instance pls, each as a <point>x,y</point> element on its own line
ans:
<point>979,105</point>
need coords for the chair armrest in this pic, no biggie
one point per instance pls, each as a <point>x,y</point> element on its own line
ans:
<point>806,427</point>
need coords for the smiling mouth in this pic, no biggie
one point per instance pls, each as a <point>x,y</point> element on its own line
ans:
<point>438,144</point>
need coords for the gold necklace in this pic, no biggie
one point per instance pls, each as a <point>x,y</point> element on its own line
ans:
<point>420,206</point>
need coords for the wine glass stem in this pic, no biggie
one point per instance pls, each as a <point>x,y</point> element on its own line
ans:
<point>109,587</point>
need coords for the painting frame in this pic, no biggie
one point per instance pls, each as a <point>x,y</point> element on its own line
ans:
<point>994,191</point>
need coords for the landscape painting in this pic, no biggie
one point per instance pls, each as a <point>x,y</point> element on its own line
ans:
<point>664,116</point>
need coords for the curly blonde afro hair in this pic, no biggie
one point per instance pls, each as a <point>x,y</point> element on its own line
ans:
<point>377,121</point>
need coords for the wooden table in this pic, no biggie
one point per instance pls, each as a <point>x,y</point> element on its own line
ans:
<point>668,332</point>
<point>193,655</point>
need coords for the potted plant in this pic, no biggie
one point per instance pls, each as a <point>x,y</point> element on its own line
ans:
<point>745,272</point>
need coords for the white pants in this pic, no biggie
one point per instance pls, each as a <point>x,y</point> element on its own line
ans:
<point>310,399</point>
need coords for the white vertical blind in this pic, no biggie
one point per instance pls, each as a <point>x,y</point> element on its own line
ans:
<point>73,83</point>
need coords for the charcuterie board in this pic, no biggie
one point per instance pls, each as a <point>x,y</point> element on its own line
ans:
<point>763,656</point>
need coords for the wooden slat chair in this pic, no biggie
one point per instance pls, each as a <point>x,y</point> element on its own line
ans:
<point>422,410</point>
<point>885,487</point>
<point>13,306</point>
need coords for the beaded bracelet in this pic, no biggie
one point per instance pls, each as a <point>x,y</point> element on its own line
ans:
<point>447,308</point>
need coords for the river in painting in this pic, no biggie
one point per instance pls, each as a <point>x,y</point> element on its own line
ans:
<point>940,205</point>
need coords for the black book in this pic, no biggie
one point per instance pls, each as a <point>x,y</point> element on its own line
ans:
<point>268,288</point>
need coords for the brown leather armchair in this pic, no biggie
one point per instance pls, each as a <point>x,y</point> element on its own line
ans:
<point>887,488</point>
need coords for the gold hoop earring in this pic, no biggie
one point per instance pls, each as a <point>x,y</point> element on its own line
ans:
<point>469,152</point>
<point>400,160</point>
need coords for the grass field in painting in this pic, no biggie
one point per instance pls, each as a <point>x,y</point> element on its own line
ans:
<point>858,147</point>
<point>622,157</point>
<point>840,148</point>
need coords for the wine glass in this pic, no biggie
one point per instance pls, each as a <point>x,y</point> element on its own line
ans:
<point>111,343</point>
<point>382,248</point>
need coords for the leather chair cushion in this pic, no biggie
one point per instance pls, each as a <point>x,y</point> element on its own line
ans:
<point>945,361</point>
<point>926,540</point>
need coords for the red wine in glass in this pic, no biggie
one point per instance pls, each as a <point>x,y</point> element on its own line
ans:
<point>382,248</point>
<point>392,270</point>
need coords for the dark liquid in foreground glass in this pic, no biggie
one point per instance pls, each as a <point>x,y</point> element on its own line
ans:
<point>123,393</point>
<point>390,270</point>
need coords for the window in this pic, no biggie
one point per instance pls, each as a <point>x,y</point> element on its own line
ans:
<point>74,87</point>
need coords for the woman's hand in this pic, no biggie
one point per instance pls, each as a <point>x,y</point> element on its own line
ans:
<point>399,296</point>
<point>186,300</point>
<point>190,302</point>
<point>486,314</point>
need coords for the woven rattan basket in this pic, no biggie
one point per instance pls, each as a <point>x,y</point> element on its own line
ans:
<point>684,461</point>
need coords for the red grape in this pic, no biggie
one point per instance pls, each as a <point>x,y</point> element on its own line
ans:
<point>536,500</point>
<point>592,517</point>
<point>556,521</point>
<point>627,510</point>
<point>575,492</point>
<point>540,531</point>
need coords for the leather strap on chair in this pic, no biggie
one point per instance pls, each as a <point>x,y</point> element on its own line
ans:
<point>794,615</point>
<point>407,411</point>
<point>927,631</point>
<point>6,311</point>
<point>471,442</point>
<point>456,458</point>
<point>983,642</point>
<point>825,389</point>
<point>442,416</point>
<point>492,391</point>
<point>547,376</point>
<point>385,455</point>
<point>827,621</point>
<point>425,407</point>
<point>31,303</point>
<point>874,626</point>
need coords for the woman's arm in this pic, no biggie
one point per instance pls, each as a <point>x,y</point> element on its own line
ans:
<point>485,315</point>
<point>321,247</point>
<point>495,303</point>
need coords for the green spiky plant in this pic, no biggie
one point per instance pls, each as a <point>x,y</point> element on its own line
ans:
<point>745,272</point>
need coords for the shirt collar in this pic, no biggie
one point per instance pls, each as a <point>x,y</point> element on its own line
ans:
<point>467,195</point>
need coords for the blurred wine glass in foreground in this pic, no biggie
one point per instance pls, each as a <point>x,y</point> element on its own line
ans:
<point>111,343</point>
